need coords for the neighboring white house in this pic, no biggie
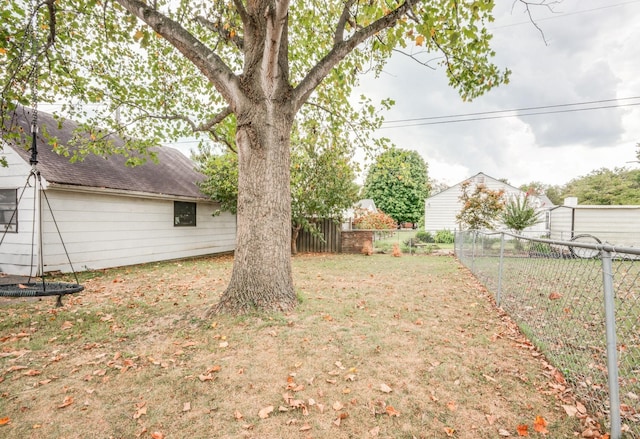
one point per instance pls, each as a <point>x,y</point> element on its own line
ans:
<point>617,225</point>
<point>441,209</point>
<point>107,214</point>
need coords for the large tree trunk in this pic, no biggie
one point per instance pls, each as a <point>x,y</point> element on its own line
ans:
<point>261,278</point>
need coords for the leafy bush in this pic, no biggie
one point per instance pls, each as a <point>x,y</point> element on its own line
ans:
<point>444,237</point>
<point>520,213</point>
<point>374,221</point>
<point>540,248</point>
<point>425,237</point>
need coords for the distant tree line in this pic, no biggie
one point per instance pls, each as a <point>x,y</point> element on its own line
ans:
<point>618,186</point>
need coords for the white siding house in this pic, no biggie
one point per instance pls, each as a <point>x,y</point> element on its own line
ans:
<point>617,225</point>
<point>100,212</point>
<point>441,209</point>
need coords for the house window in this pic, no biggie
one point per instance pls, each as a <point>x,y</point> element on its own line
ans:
<point>184,214</point>
<point>8,210</point>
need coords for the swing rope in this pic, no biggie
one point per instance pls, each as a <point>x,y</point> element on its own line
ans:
<point>29,288</point>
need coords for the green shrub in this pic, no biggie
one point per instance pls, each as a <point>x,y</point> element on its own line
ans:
<point>444,237</point>
<point>425,237</point>
<point>540,248</point>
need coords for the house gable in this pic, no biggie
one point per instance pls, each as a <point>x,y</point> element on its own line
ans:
<point>441,209</point>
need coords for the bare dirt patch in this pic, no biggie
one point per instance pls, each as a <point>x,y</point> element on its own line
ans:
<point>377,347</point>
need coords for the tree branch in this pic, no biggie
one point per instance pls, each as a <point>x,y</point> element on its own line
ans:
<point>207,61</point>
<point>527,8</point>
<point>340,50</point>
<point>414,58</point>
<point>338,36</point>
<point>236,40</point>
<point>241,11</point>
<point>274,43</point>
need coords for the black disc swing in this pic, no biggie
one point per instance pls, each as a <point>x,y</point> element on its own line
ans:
<point>33,287</point>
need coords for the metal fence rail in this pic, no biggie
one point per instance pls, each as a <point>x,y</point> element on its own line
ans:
<point>579,303</point>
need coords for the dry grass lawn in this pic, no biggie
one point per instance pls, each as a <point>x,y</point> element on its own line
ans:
<point>378,347</point>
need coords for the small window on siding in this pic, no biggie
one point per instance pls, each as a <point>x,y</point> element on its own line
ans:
<point>8,211</point>
<point>184,214</point>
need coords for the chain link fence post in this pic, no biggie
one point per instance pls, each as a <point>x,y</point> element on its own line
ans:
<point>612,350</point>
<point>500,266</point>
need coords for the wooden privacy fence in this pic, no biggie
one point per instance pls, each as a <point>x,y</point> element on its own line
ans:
<point>334,239</point>
<point>306,242</point>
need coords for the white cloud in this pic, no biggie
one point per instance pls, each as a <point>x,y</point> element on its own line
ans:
<point>591,55</point>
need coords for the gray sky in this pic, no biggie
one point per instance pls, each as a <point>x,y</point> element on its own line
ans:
<point>592,53</point>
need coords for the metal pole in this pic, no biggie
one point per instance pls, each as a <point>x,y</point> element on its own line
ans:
<point>473,251</point>
<point>501,264</point>
<point>612,352</point>
<point>40,246</point>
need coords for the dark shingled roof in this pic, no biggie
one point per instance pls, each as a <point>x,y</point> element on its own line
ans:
<point>173,174</point>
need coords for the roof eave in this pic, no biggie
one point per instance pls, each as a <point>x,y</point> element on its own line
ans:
<point>126,193</point>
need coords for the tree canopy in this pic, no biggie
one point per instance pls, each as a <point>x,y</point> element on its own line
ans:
<point>606,187</point>
<point>618,186</point>
<point>398,183</point>
<point>242,69</point>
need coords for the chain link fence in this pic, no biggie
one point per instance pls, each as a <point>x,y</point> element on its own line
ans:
<point>579,302</point>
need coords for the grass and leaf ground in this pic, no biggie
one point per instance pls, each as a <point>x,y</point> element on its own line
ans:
<point>378,347</point>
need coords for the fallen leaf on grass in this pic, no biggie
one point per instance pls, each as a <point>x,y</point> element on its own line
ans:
<point>451,405</point>
<point>4,421</point>
<point>581,408</point>
<point>559,378</point>
<point>503,432</point>
<point>554,296</point>
<point>337,406</point>
<point>386,389</point>
<point>305,427</point>
<point>32,372</point>
<point>68,400</point>
<point>186,406</point>
<point>66,325</point>
<point>540,425</point>
<point>570,410</point>
<point>264,412</point>
<point>374,431</point>
<point>339,419</point>
<point>523,430</point>
<point>237,415</point>
<point>391,411</point>
<point>449,431</point>
<point>157,435</point>
<point>141,410</point>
